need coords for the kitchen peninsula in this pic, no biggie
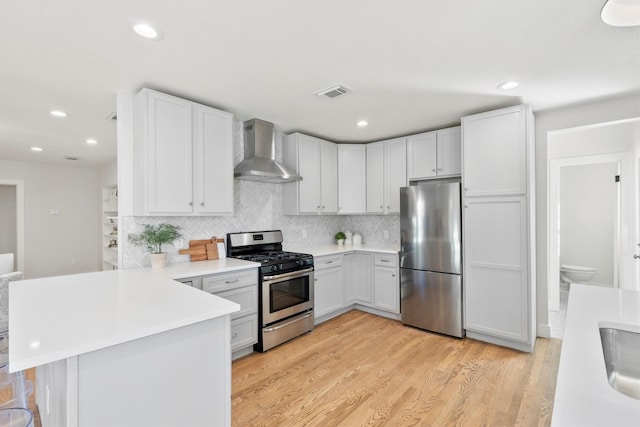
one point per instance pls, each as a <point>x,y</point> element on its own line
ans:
<point>124,347</point>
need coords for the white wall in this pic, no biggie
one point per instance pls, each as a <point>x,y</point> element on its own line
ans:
<point>625,107</point>
<point>588,208</point>
<point>52,241</point>
<point>8,241</point>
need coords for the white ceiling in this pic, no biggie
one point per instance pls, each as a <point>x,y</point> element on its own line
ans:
<point>413,65</point>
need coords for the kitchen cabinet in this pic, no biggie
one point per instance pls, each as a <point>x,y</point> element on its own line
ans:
<point>358,283</point>
<point>386,174</point>
<point>434,154</point>
<point>386,285</point>
<point>352,179</point>
<point>328,291</point>
<point>183,156</point>
<point>498,232</point>
<point>316,161</point>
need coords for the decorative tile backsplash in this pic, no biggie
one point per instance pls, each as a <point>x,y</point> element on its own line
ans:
<point>258,206</point>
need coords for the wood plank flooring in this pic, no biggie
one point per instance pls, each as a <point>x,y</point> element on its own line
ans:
<point>363,370</point>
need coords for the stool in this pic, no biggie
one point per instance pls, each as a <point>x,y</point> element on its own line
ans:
<point>16,417</point>
<point>14,389</point>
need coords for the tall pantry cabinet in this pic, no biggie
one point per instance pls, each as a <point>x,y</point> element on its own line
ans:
<point>499,227</point>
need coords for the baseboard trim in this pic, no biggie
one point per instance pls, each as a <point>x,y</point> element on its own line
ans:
<point>544,331</point>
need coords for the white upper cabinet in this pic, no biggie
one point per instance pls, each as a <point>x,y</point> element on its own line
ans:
<point>317,162</point>
<point>434,154</point>
<point>175,143</point>
<point>352,178</point>
<point>213,161</point>
<point>495,153</point>
<point>386,174</point>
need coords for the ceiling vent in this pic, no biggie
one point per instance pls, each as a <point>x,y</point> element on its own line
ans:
<point>333,91</point>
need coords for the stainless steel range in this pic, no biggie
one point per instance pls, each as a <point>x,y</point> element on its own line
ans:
<point>285,289</point>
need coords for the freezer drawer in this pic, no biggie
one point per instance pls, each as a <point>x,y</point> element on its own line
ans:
<point>431,301</point>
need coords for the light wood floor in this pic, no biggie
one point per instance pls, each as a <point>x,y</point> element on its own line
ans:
<point>363,370</point>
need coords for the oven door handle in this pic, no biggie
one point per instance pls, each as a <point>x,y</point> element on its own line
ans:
<point>294,320</point>
<point>288,275</point>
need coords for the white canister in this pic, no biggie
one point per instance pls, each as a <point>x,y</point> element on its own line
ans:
<point>349,236</point>
<point>357,239</point>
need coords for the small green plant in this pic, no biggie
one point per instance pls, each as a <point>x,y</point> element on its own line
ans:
<point>154,236</point>
<point>340,236</point>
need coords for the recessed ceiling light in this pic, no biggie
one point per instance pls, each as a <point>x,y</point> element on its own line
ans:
<point>36,149</point>
<point>58,113</point>
<point>621,13</point>
<point>91,141</point>
<point>508,85</point>
<point>362,123</point>
<point>146,30</point>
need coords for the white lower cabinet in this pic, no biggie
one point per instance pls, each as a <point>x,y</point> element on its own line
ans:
<point>328,285</point>
<point>358,286</point>
<point>386,286</point>
<point>241,288</point>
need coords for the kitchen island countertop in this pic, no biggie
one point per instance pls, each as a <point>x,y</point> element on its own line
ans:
<point>59,317</point>
<point>583,394</point>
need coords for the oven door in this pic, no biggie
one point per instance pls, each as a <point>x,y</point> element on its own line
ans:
<point>284,295</point>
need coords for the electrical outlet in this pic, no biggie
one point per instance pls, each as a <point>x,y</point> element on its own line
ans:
<point>386,234</point>
<point>304,233</point>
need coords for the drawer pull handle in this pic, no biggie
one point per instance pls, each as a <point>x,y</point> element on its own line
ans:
<point>385,260</point>
<point>235,334</point>
<point>329,262</point>
<point>231,281</point>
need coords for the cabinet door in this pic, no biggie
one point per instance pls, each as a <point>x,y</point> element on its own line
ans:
<point>386,289</point>
<point>329,177</point>
<point>495,267</point>
<point>169,154</point>
<point>494,153</point>
<point>362,283</point>
<point>213,161</point>
<point>449,151</point>
<point>375,177</point>
<point>328,290</point>
<point>352,178</point>
<point>349,277</point>
<point>309,169</point>
<point>395,173</point>
<point>421,156</point>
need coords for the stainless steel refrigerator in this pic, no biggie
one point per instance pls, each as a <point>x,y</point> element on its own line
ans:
<point>431,257</point>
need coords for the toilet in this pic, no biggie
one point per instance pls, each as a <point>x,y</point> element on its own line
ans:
<point>576,273</point>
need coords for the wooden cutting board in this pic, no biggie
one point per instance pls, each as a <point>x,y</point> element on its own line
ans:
<point>201,250</point>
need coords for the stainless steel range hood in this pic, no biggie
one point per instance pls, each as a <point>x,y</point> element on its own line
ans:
<point>259,162</point>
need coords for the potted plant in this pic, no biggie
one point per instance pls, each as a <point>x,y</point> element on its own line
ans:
<point>153,237</point>
<point>340,236</point>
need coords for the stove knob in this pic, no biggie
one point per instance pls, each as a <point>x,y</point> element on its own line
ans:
<point>300,262</point>
<point>274,268</point>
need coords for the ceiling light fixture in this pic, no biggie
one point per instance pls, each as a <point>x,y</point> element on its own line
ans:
<point>362,123</point>
<point>58,113</point>
<point>36,149</point>
<point>146,30</point>
<point>91,141</point>
<point>621,13</point>
<point>508,85</point>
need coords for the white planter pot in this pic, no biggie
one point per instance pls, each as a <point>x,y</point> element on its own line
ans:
<point>341,241</point>
<point>158,260</point>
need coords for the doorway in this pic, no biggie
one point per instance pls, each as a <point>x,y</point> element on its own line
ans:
<point>12,221</point>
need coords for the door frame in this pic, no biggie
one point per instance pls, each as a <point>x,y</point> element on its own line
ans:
<point>624,218</point>
<point>19,221</point>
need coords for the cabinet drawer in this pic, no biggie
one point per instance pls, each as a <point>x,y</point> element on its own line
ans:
<point>327,262</point>
<point>244,332</point>
<point>386,260</point>
<point>222,282</point>
<point>246,297</point>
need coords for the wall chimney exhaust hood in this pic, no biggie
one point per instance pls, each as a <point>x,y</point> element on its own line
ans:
<point>259,162</point>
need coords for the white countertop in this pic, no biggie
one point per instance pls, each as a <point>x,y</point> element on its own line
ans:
<point>203,268</point>
<point>58,317</point>
<point>341,249</point>
<point>583,394</point>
